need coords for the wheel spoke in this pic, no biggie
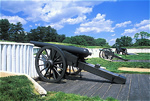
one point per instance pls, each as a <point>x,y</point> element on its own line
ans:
<point>57,58</point>
<point>54,74</point>
<point>58,67</point>
<point>58,62</point>
<point>44,56</point>
<point>46,53</point>
<point>57,72</point>
<point>43,69</point>
<point>53,54</point>
<point>41,59</point>
<point>50,74</point>
<point>41,65</point>
<point>46,72</point>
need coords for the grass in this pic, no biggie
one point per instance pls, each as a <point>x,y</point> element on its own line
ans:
<point>19,88</point>
<point>16,88</point>
<point>113,66</point>
<point>61,96</point>
<point>139,56</point>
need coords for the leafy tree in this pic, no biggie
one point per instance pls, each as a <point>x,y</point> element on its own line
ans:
<point>142,39</point>
<point>4,27</point>
<point>16,32</point>
<point>89,40</point>
<point>142,35</point>
<point>43,34</point>
<point>123,41</point>
<point>100,42</point>
<point>67,40</point>
<point>60,38</point>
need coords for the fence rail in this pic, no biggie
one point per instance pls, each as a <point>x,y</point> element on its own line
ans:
<point>17,58</point>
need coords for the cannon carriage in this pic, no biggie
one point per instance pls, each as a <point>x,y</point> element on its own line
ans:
<point>107,53</point>
<point>53,62</point>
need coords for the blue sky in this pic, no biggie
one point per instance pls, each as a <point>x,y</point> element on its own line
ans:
<point>109,19</point>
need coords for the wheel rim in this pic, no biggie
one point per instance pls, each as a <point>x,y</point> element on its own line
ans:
<point>50,64</point>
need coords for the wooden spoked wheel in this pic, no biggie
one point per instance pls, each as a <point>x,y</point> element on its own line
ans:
<point>50,64</point>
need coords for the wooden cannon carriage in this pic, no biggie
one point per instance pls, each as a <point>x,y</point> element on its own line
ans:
<point>53,62</point>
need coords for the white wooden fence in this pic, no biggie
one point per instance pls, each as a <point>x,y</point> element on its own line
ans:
<point>17,58</point>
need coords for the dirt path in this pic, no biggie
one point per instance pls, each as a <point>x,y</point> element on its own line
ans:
<point>134,69</point>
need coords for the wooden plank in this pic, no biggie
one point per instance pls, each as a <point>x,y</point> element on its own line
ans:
<point>134,93</point>
<point>102,89</point>
<point>113,91</point>
<point>124,90</point>
<point>144,87</point>
<point>89,84</point>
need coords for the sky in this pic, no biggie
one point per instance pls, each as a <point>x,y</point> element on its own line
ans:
<point>108,19</point>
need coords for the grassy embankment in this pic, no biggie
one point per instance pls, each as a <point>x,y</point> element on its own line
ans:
<point>19,88</point>
<point>113,66</point>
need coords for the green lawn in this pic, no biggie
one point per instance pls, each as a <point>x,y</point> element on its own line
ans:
<point>19,88</point>
<point>139,56</point>
<point>16,88</point>
<point>113,66</point>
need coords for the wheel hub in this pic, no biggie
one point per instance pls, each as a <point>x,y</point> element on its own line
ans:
<point>49,63</point>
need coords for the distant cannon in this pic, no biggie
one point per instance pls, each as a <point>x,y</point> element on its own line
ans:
<point>53,62</point>
<point>120,49</point>
<point>106,53</point>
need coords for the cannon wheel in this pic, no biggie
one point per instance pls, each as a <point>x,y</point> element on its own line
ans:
<point>106,53</point>
<point>50,64</point>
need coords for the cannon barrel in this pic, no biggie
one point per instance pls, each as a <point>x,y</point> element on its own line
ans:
<point>74,50</point>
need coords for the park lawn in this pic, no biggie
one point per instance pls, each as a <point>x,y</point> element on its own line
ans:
<point>139,56</point>
<point>19,88</point>
<point>113,66</point>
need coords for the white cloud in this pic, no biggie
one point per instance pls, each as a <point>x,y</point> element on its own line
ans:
<point>144,22</point>
<point>142,26</point>
<point>30,26</point>
<point>14,19</point>
<point>112,41</point>
<point>37,24</point>
<point>97,25</point>
<point>56,13</point>
<point>124,24</point>
<point>49,10</point>
<point>113,34</point>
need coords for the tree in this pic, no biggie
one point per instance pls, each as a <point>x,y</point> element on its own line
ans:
<point>60,38</point>
<point>142,39</point>
<point>43,34</point>
<point>142,35</point>
<point>100,42</point>
<point>89,40</point>
<point>16,32</point>
<point>123,41</point>
<point>4,27</point>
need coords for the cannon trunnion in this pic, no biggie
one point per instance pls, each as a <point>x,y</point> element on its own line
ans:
<point>53,62</point>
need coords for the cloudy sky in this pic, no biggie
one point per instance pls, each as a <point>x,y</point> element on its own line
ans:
<point>109,19</point>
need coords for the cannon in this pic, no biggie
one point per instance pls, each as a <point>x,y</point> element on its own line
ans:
<point>121,49</point>
<point>53,62</point>
<point>107,53</point>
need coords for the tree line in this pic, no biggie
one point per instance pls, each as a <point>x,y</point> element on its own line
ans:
<point>141,39</point>
<point>15,32</point>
